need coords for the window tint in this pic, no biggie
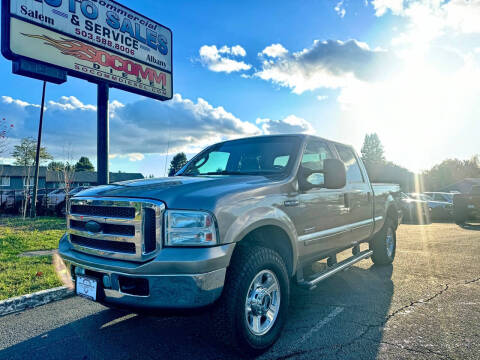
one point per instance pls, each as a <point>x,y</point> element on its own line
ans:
<point>354,174</point>
<point>217,162</point>
<point>315,153</point>
<point>255,156</point>
<point>313,157</point>
<point>281,161</point>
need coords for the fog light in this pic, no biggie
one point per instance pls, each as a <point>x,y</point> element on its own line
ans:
<point>107,283</point>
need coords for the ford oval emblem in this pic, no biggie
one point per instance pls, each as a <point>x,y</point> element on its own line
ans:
<point>93,227</point>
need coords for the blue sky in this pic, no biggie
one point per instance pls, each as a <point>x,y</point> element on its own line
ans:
<point>408,70</point>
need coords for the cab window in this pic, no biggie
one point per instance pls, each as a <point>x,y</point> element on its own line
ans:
<point>313,158</point>
<point>354,174</point>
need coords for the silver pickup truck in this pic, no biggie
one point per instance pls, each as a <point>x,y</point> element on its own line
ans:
<point>236,227</point>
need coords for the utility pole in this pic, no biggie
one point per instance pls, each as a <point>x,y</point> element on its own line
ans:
<point>33,207</point>
<point>102,134</point>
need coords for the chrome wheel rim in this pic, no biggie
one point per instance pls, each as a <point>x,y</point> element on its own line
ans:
<point>262,303</point>
<point>390,242</point>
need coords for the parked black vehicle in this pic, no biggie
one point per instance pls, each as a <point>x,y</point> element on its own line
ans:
<point>12,201</point>
<point>467,206</point>
<point>4,197</point>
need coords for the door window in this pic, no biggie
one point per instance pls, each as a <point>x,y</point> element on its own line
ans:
<point>313,158</point>
<point>354,174</point>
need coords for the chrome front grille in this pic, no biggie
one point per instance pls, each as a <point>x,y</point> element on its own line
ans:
<point>117,228</point>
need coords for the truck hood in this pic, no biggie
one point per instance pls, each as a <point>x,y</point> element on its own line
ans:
<point>181,192</point>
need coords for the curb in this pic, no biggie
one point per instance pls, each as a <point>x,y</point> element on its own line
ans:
<point>30,301</point>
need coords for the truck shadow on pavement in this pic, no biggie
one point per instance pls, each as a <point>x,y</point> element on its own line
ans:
<point>343,318</point>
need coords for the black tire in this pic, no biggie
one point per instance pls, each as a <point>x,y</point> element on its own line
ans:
<point>383,254</point>
<point>61,210</point>
<point>460,217</point>
<point>230,319</point>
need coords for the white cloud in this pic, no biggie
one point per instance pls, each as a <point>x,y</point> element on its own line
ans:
<point>340,9</point>
<point>327,64</point>
<point>237,50</point>
<point>139,128</point>
<point>290,125</point>
<point>222,60</point>
<point>71,103</point>
<point>382,6</point>
<point>322,97</point>
<point>10,100</point>
<point>274,50</point>
<point>136,157</point>
<point>430,19</point>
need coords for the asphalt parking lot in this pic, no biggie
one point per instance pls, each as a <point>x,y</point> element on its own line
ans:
<point>425,306</point>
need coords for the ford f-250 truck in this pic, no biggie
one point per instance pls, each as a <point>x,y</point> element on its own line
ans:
<point>235,227</point>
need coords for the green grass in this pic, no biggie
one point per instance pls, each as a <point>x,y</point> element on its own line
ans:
<point>23,275</point>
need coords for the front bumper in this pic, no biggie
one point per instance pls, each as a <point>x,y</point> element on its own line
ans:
<point>177,278</point>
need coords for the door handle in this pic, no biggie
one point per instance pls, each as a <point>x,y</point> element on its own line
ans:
<point>346,200</point>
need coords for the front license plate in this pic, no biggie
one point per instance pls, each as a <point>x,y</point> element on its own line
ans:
<point>86,287</point>
<point>471,206</point>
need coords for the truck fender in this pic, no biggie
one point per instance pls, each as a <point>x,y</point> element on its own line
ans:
<point>258,218</point>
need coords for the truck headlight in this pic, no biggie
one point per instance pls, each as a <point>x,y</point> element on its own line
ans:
<point>189,228</point>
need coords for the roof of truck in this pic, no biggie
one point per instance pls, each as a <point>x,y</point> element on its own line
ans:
<point>301,136</point>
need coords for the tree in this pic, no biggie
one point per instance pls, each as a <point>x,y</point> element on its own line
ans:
<point>177,163</point>
<point>372,150</point>
<point>449,172</point>
<point>4,130</point>
<point>24,155</point>
<point>388,172</point>
<point>84,164</point>
<point>56,166</point>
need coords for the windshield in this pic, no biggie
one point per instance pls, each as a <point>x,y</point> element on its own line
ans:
<point>255,156</point>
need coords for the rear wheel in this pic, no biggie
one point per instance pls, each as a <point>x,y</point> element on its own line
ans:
<point>384,244</point>
<point>61,210</point>
<point>252,310</point>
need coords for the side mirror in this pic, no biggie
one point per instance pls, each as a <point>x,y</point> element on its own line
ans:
<point>335,174</point>
<point>304,175</point>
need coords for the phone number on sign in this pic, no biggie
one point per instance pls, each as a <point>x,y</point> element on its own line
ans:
<point>104,41</point>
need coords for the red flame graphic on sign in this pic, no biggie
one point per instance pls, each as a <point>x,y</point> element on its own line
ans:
<point>74,48</point>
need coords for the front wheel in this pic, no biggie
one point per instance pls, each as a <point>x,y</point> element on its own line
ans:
<point>384,244</point>
<point>252,310</point>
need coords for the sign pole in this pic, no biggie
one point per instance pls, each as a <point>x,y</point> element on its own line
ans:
<point>33,208</point>
<point>102,134</point>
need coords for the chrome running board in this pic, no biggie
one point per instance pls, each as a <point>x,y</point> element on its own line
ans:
<point>316,278</point>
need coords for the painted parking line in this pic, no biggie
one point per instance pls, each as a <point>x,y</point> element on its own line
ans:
<point>319,325</point>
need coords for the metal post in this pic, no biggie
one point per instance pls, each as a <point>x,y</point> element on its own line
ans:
<point>102,134</point>
<point>33,208</point>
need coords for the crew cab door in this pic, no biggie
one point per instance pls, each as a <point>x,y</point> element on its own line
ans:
<point>358,197</point>
<point>318,213</point>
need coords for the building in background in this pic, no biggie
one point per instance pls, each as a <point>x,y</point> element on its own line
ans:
<point>15,178</point>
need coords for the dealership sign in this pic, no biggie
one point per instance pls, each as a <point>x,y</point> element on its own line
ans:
<point>97,40</point>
